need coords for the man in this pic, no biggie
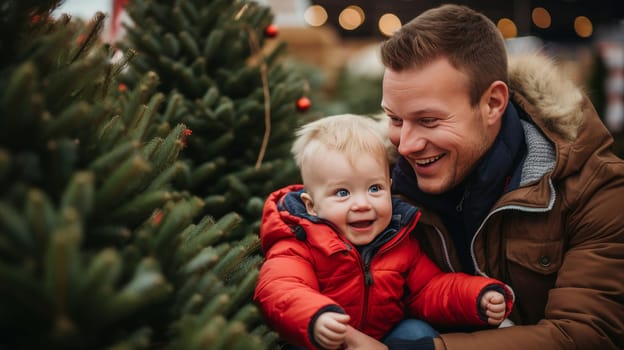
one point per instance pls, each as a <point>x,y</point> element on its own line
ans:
<point>513,172</point>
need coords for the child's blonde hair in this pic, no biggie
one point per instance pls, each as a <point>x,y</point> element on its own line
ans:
<point>348,133</point>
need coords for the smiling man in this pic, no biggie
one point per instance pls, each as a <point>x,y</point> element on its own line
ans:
<point>513,171</point>
<point>435,125</point>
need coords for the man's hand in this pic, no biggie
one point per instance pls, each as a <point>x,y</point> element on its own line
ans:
<point>493,305</point>
<point>356,340</point>
<point>330,329</point>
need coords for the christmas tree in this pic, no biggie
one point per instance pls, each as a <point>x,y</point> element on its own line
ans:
<point>233,91</point>
<point>103,242</point>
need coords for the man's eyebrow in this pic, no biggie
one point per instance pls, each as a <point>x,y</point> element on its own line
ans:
<point>385,108</point>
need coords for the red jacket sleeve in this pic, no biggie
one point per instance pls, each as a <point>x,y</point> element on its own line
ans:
<point>288,293</point>
<point>448,299</point>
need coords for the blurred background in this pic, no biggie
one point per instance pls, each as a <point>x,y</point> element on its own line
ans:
<point>336,43</point>
<point>137,148</point>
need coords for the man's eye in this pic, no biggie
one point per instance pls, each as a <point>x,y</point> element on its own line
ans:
<point>428,122</point>
<point>342,193</point>
<point>394,121</point>
<point>374,188</point>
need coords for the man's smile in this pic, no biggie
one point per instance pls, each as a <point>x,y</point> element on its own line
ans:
<point>428,161</point>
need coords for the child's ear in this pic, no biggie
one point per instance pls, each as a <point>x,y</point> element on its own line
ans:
<point>309,203</point>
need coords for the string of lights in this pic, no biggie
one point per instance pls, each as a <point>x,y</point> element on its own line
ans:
<point>567,19</point>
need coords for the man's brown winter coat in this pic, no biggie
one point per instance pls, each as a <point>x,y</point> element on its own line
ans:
<point>558,239</point>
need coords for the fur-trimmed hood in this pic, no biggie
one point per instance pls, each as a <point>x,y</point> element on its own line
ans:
<point>560,109</point>
<point>557,100</point>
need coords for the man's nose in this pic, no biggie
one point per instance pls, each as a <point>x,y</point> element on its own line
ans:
<point>411,141</point>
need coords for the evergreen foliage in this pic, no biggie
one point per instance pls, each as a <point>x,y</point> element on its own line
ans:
<point>98,250</point>
<point>15,17</point>
<point>231,89</point>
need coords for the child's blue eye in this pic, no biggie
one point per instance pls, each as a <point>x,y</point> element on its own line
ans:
<point>342,193</point>
<point>374,188</point>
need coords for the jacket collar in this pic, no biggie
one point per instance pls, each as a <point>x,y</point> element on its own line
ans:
<point>321,233</point>
<point>465,207</point>
<point>477,194</point>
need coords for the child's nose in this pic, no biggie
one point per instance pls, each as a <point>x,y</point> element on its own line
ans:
<point>360,202</point>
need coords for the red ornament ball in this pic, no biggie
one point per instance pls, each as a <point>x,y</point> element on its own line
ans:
<point>271,31</point>
<point>303,104</point>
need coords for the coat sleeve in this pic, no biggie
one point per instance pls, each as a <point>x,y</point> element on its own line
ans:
<point>448,299</point>
<point>585,310</point>
<point>287,292</point>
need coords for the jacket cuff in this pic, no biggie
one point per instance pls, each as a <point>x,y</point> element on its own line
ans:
<point>403,344</point>
<point>328,308</point>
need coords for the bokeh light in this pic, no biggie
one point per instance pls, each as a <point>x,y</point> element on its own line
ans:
<point>508,28</point>
<point>583,26</point>
<point>351,17</point>
<point>389,23</point>
<point>315,15</point>
<point>541,17</point>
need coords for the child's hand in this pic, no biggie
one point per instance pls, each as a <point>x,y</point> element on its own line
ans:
<point>493,304</point>
<point>330,329</point>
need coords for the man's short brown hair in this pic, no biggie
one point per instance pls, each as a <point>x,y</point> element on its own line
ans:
<point>468,39</point>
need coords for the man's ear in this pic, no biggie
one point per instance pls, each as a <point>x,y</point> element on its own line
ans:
<point>309,203</point>
<point>494,101</point>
